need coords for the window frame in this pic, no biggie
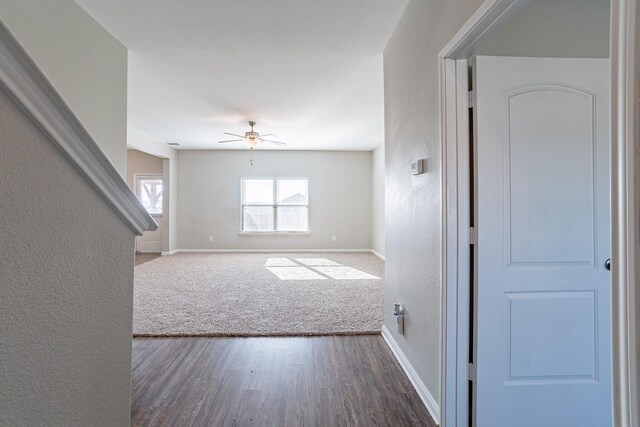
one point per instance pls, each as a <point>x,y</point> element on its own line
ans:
<point>137,177</point>
<point>274,206</point>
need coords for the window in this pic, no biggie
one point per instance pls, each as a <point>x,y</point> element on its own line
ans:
<point>149,191</point>
<point>275,205</point>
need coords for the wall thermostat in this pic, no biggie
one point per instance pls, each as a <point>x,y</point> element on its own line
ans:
<point>416,167</point>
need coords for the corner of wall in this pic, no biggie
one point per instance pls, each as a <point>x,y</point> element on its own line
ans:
<point>378,201</point>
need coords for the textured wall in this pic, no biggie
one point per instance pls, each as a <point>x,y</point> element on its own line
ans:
<point>86,65</point>
<point>209,198</point>
<point>413,202</point>
<point>141,163</point>
<point>377,199</point>
<point>554,28</point>
<point>66,263</point>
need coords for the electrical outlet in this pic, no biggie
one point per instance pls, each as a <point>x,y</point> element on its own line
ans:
<point>211,238</point>
<point>333,238</point>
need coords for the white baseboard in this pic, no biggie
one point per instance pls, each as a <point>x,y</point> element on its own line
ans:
<point>272,250</point>
<point>379,255</point>
<point>169,253</point>
<point>421,389</point>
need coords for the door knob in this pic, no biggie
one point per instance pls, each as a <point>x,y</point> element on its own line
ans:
<point>607,264</point>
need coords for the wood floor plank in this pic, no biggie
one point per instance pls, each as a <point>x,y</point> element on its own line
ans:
<point>279,381</point>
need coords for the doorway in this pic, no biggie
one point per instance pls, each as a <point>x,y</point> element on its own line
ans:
<point>146,178</point>
<point>458,230</point>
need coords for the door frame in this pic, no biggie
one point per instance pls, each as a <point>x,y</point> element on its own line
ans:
<point>455,196</point>
<point>156,216</point>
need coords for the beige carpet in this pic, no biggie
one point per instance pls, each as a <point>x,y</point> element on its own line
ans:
<point>259,294</point>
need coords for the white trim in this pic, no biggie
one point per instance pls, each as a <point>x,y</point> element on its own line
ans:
<point>270,250</point>
<point>21,78</point>
<point>624,211</point>
<point>379,255</point>
<point>421,388</point>
<point>169,253</point>
<point>483,22</point>
<point>274,233</point>
<point>456,221</point>
<point>454,268</point>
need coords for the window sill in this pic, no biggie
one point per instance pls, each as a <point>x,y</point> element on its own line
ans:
<point>274,233</point>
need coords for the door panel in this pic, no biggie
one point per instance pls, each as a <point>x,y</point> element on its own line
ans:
<point>533,143</point>
<point>551,337</point>
<point>151,241</point>
<point>542,214</point>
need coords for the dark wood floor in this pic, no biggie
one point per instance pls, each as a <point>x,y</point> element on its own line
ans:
<point>141,258</point>
<point>293,381</point>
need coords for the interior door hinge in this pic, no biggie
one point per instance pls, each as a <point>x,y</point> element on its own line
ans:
<point>473,236</point>
<point>472,372</point>
<point>472,99</point>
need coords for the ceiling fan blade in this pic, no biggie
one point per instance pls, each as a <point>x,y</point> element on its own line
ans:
<point>233,134</point>
<point>229,140</point>
<point>269,134</point>
<point>274,142</point>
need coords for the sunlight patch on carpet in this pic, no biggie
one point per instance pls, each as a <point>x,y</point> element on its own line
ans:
<point>280,262</point>
<point>314,269</point>
<point>295,273</point>
<point>316,261</point>
<point>345,273</point>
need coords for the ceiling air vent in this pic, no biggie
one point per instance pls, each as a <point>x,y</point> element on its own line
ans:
<point>173,143</point>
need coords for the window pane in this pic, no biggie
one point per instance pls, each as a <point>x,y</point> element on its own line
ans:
<point>257,218</point>
<point>258,192</point>
<point>293,192</point>
<point>293,218</point>
<point>150,194</point>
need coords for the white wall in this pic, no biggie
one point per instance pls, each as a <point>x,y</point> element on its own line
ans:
<point>637,195</point>
<point>86,65</point>
<point>170,175</point>
<point>377,199</point>
<point>66,286</point>
<point>148,144</point>
<point>412,268</point>
<point>141,163</point>
<point>554,28</point>
<point>209,198</point>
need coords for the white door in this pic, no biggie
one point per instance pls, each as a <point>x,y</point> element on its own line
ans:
<point>151,241</point>
<point>149,189</point>
<point>542,215</point>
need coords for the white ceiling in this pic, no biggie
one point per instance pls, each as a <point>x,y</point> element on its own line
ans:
<point>309,71</point>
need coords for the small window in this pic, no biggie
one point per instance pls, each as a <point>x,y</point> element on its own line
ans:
<point>275,205</point>
<point>149,191</point>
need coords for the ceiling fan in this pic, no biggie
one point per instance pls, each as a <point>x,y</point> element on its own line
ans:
<point>251,138</point>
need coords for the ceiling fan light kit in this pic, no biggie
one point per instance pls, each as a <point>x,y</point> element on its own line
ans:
<point>251,138</point>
